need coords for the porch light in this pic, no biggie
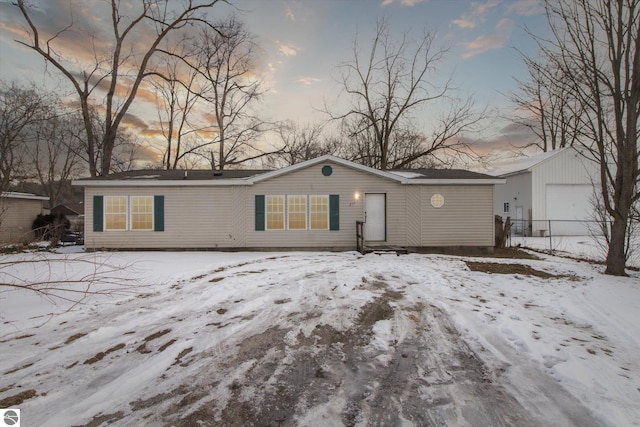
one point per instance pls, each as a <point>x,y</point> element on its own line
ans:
<point>356,196</point>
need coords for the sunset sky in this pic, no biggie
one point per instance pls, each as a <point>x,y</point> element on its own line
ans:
<point>303,41</point>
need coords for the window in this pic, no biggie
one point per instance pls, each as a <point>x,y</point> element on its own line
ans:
<point>297,212</point>
<point>437,201</point>
<point>275,212</point>
<point>123,213</point>
<point>115,213</point>
<point>506,207</point>
<point>313,212</point>
<point>319,212</point>
<point>141,213</point>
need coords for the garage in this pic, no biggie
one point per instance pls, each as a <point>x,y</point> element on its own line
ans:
<point>567,204</point>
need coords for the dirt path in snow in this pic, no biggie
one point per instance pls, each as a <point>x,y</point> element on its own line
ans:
<point>425,375</point>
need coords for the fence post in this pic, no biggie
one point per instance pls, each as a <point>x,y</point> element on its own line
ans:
<point>550,240</point>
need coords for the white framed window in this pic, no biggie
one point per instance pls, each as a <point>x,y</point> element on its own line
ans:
<point>319,212</point>
<point>274,212</point>
<point>125,213</point>
<point>115,213</point>
<point>141,212</point>
<point>505,207</point>
<point>297,212</point>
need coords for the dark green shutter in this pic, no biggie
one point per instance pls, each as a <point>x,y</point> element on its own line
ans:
<point>260,212</point>
<point>158,213</point>
<point>98,213</point>
<point>334,212</point>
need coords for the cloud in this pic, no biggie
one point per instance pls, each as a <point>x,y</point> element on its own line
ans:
<point>308,81</point>
<point>509,139</point>
<point>479,11</point>
<point>526,7</point>
<point>483,44</point>
<point>131,121</point>
<point>287,49</point>
<point>290,14</point>
<point>464,22</point>
<point>402,2</point>
<point>505,24</point>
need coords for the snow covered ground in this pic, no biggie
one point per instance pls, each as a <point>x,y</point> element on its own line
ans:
<point>311,338</point>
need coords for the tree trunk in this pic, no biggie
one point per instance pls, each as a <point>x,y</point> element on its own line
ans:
<point>503,229</point>
<point>616,253</point>
<point>107,150</point>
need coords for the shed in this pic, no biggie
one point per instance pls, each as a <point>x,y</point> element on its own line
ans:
<point>74,212</point>
<point>310,205</point>
<point>550,192</point>
<point>17,213</point>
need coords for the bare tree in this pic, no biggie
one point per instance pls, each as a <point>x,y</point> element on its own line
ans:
<point>596,46</point>
<point>544,106</point>
<point>176,88</point>
<point>301,142</point>
<point>126,153</point>
<point>20,108</point>
<point>387,86</point>
<point>230,88</point>
<point>119,68</point>
<point>82,277</point>
<point>53,155</point>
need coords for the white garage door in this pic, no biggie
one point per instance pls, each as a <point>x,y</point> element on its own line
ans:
<point>567,204</point>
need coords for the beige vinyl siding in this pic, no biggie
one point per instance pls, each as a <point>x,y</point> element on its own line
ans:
<point>465,219</point>
<point>243,219</point>
<point>194,217</point>
<point>414,214</point>
<point>344,182</point>
<point>224,217</point>
<point>16,219</point>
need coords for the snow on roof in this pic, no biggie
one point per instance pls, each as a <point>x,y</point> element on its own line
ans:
<point>28,196</point>
<point>523,164</point>
<point>407,174</point>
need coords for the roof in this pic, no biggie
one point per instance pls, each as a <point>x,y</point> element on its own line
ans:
<point>176,175</point>
<point>27,196</point>
<point>525,164</point>
<point>440,174</point>
<point>69,209</point>
<point>250,177</point>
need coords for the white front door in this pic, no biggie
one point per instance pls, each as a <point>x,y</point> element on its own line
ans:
<point>375,217</point>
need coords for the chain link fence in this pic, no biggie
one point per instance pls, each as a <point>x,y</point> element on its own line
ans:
<point>550,228</point>
<point>584,239</point>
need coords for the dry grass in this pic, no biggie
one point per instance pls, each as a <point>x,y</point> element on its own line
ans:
<point>494,267</point>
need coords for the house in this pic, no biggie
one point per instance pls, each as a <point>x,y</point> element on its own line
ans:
<point>310,205</point>
<point>17,212</point>
<point>74,212</point>
<point>552,192</point>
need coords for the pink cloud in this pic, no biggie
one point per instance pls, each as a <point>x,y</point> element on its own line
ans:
<point>478,14</point>
<point>464,22</point>
<point>290,14</point>
<point>483,44</point>
<point>287,49</point>
<point>308,81</point>
<point>402,2</point>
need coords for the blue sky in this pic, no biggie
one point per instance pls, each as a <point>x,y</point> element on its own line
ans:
<point>303,41</point>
